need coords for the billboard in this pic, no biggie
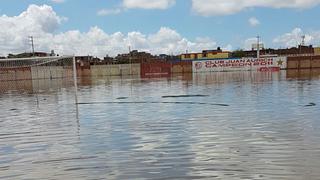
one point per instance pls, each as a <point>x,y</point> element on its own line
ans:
<point>243,64</point>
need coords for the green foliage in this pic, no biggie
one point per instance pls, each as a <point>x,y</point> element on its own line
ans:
<point>238,53</point>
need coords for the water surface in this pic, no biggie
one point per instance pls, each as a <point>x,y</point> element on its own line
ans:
<point>239,125</point>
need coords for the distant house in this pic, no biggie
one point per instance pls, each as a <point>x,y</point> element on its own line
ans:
<point>108,60</point>
<point>29,54</point>
<point>165,57</point>
<point>135,57</point>
<point>83,62</point>
<point>206,54</point>
<point>293,51</point>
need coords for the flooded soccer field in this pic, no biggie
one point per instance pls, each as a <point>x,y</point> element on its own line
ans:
<point>228,125</point>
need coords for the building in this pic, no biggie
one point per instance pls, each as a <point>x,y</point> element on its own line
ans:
<point>84,62</point>
<point>317,50</point>
<point>134,57</point>
<point>294,51</point>
<point>29,54</point>
<point>109,60</point>
<point>169,58</point>
<point>206,54</point>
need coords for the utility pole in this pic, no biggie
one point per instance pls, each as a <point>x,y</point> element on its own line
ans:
<point>130,60</point>
<point>303,37</point>
<point>258,47</point>
<point>32,45</point>
<point>303,40</point>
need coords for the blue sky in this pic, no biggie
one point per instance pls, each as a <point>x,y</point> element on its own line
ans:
<point>221,24</point>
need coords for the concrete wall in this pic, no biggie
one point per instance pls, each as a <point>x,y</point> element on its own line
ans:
<point>17,85</point>
<point>156,69</point>
<point>317,51</point>
<point>149,69</point>
<point>182,67</point>
<point>304,62</point>
<point>50,72</point>
<point>315,62</point>
<point>56,72</point>
<point>293,64</point>
<point>15,74</point>
<point>115,70</point>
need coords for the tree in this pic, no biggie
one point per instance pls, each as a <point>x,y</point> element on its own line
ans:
<point>238,53</point>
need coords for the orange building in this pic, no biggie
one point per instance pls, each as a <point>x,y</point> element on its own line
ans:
<point>206,54</point>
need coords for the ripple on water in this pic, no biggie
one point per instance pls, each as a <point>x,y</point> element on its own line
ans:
<point>225,126</point>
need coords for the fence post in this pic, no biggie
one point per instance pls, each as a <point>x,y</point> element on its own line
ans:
<point>75,80</point>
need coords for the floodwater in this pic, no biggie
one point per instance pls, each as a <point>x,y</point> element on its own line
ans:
<point>236,125</point>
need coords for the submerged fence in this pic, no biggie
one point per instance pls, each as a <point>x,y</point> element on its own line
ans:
<point>31,73</point>
<point>36,68</point>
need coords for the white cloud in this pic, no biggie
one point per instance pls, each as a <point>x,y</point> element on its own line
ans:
<point>228,7</point>
<point>287,40</point>
<point>58,1</point>
<point>294,38</point>
<point>253,21</point>
<point>106,12</point>
<point>137,4</point>
<point>42,23</point>
<point>148,4</point>
<point>35,21</point>
<point>97,42</point>
<point>228,48</point>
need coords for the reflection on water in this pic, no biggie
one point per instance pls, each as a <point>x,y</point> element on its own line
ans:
<point>267,131</point>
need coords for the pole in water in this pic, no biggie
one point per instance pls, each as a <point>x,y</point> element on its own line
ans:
<point>130,60</point>
<point>75,79</point>
<point>258,47</point>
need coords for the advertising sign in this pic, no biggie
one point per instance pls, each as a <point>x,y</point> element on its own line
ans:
<point>243,64</point>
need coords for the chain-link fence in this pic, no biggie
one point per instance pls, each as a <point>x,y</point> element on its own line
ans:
<point>37,74</point>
